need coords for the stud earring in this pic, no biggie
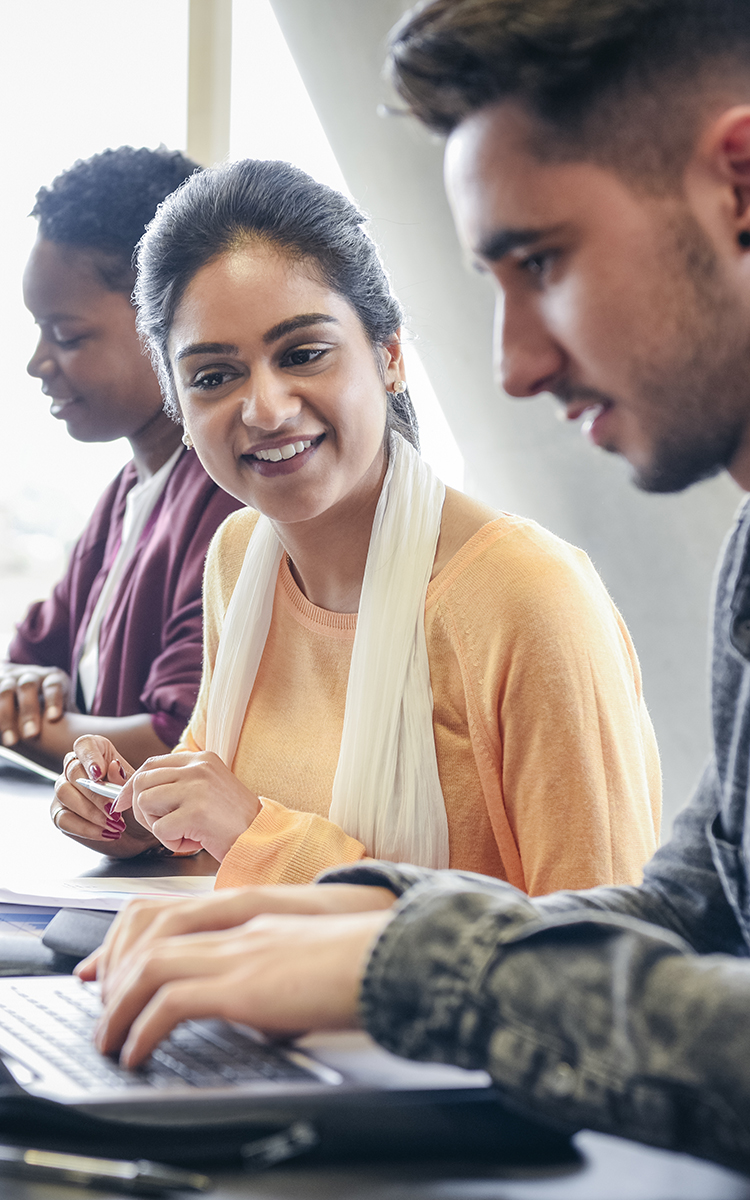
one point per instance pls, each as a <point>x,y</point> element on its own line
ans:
<point>744,239</point>
<point>187,440</point>
<point>399,387</point>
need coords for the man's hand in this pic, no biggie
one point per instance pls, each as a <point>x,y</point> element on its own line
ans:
<point>144,923</point>
<point>28,693</point>
<point>281,974</point>
<point>190,801</point>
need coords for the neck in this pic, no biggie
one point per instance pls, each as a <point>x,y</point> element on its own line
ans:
<point>154,443</point>
<point>328,555</point>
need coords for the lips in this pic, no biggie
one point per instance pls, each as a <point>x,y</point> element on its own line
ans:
<point>284,458</point>
<point>277,453</point>
<point>59,408</point>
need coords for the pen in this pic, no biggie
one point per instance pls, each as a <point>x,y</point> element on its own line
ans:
<point>110,790</point>
<point>141,1178</point>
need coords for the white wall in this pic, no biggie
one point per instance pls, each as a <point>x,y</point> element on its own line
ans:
<point>656,554</point>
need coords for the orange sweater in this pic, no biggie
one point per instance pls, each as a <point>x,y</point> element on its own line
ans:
<point>545,750</point>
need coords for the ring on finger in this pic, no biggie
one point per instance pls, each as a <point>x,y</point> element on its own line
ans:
<point>70,759</point>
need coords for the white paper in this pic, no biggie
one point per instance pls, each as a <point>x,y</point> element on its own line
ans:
<point>104,892</point>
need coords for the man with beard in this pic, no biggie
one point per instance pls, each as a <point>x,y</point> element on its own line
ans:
<point>598,165</point>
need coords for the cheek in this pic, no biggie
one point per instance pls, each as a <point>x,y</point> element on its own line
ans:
<point>592,324</point>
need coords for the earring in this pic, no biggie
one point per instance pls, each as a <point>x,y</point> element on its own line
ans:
<point>399,387</point>
<point>744,239</point>
<point>187,440</point>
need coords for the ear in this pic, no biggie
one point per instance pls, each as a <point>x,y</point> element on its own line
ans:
<point>725,149</point>
<point>393,360</point>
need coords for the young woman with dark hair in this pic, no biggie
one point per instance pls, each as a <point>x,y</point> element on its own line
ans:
<point>390,668</point>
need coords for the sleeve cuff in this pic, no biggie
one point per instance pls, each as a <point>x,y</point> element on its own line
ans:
<point>285,846</point>
<point>397,877</point>
<point>421,994</point>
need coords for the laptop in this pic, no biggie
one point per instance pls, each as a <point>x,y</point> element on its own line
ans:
<point>211,1074</point>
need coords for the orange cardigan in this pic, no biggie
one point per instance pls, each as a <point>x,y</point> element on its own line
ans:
<point>545,750</point>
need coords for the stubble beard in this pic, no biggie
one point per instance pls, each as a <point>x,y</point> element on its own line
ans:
<point>700,391</point>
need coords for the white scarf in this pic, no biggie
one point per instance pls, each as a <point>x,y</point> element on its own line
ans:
<point>386,791</point>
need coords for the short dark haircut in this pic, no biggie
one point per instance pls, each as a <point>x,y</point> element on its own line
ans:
<point>619,82</point>
<point>275,203</point>
<point>104,203</point>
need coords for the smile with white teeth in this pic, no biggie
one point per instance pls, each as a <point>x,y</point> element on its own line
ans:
<point>280,452</point>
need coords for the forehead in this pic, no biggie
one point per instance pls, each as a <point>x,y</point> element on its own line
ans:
<point>495,182</point>
<point>248,290</point>
<point>60,278</point>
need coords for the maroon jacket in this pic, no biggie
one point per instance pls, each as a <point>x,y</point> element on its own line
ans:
<point>150,643</point>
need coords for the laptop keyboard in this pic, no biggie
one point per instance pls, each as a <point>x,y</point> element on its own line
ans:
<point>58,1026</point>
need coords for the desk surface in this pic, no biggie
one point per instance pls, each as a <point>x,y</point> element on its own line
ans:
<point>612,1169</point>
<point>28,835</point>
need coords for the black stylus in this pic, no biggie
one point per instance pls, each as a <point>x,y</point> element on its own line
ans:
<point>139,1178</point>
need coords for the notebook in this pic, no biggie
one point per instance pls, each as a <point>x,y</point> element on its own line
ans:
<point>213,1074</point>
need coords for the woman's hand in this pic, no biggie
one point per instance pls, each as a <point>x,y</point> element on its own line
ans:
<point>144,923</point>
<point>87,817</point>
<point>282,974</point>
<point>28,693</point>
<point>190,801</point>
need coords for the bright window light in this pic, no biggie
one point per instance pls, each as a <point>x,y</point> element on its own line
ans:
<point>77,77</point>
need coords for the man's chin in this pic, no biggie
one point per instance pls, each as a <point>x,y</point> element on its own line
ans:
<point>667,478</point>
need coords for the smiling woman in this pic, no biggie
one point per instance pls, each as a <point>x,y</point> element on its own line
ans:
<point>390,668</point>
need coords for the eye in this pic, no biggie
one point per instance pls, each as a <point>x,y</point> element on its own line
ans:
<point>539,264</point>
<point>209,381</point>
<point>303,356</point>
<point>68,343</point>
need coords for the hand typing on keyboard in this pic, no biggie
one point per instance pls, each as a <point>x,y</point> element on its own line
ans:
<point>146,922</point>
<point>279,972</point>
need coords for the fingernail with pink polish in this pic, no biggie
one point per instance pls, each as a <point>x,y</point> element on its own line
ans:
<point>116,762</point>
<point>95,772</point>
<point>111,835</point>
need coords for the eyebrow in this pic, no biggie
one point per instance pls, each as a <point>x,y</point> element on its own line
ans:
<point>205,348</point>
<point>271,335</point>
<point>53,318</point>
<point>504,241</point>
<point>294,323</point>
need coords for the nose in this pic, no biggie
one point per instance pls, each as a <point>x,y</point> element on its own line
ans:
<point>41,365</point>
<point>268,402</point>
<point>527,358</point>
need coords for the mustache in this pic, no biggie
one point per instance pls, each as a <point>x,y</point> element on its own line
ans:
<point>570,393</point>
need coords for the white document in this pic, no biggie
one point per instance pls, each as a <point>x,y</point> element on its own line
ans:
<point>103,892</point>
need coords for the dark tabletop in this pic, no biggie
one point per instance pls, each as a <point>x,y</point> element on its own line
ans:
<point>610,1168</point>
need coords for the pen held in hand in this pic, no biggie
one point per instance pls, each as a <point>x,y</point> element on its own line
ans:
<point>110,790</point>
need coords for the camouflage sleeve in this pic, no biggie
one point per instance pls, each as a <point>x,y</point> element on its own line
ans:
<point>587,1019</point>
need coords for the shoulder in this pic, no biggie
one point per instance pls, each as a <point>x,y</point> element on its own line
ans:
<point>462,517</point>
<point>190,484</point>
<point>109,508</point>
<point>227,550</point>
<point>516,572</point>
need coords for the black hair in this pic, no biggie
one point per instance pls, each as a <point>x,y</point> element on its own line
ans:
<point>104,203</point>
<point>621,82</point>
<point>274,202</point>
